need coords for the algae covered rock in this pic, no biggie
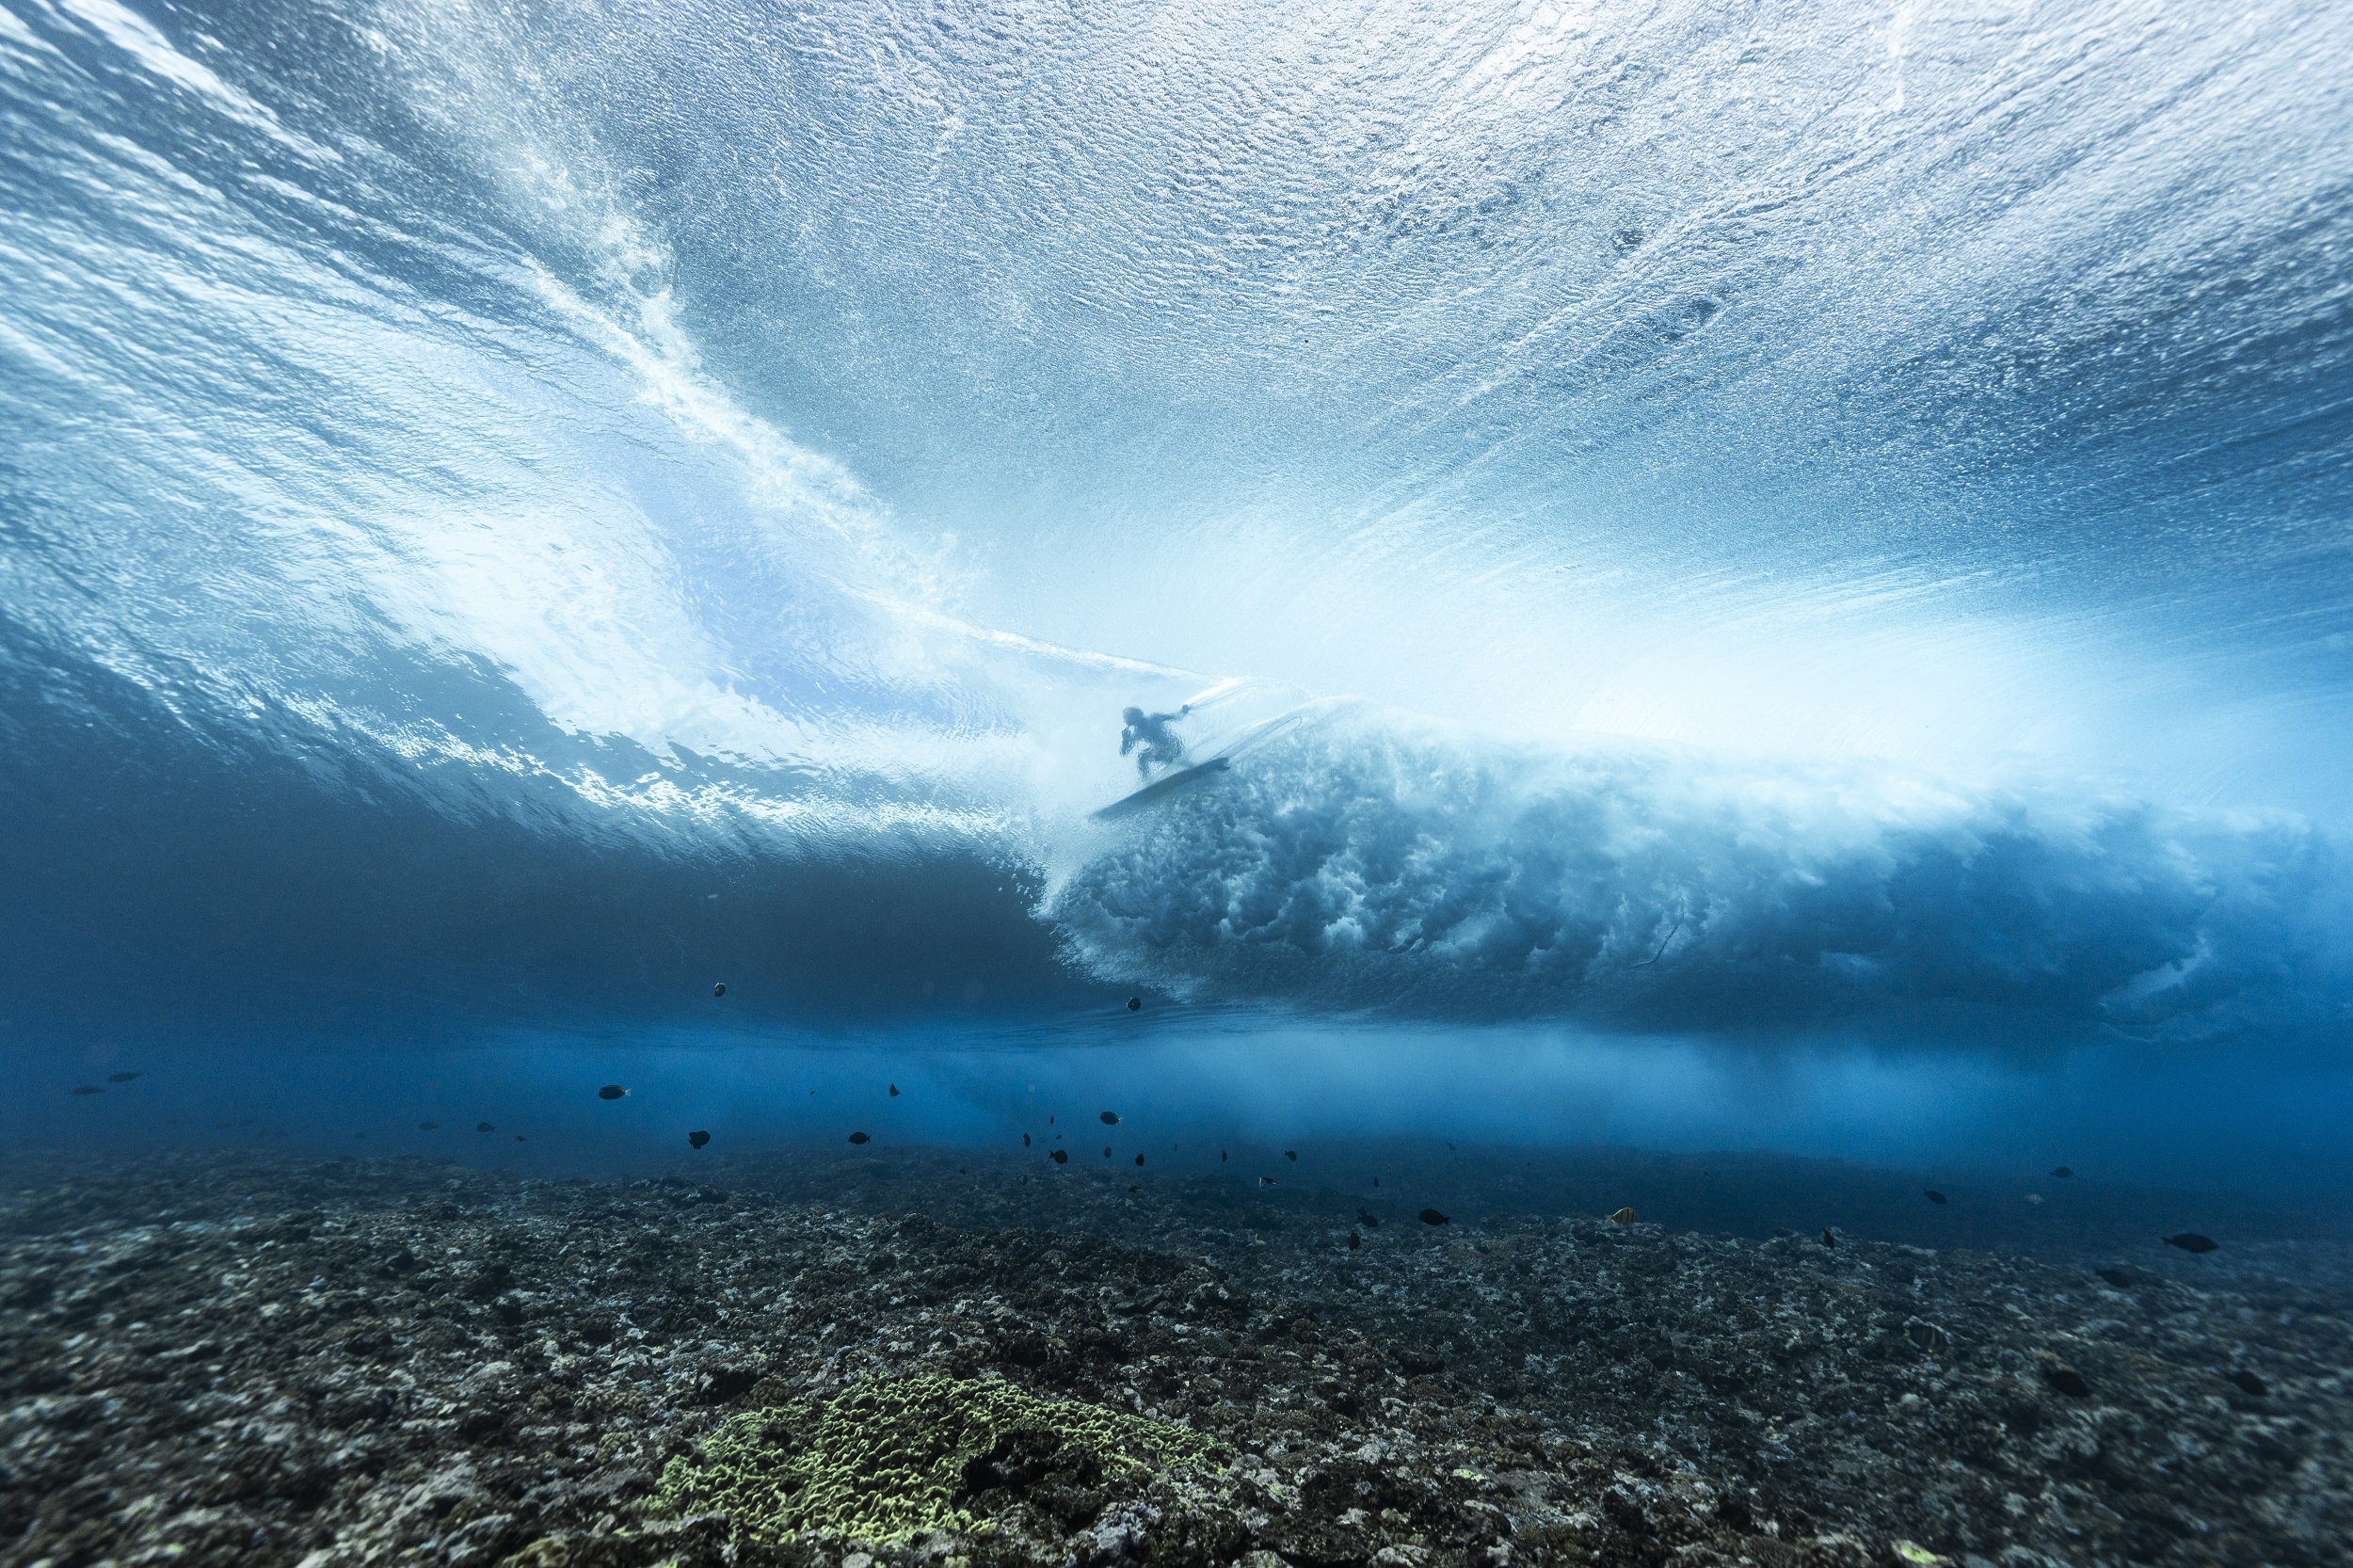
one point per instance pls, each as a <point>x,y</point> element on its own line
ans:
<point>890,1459</point>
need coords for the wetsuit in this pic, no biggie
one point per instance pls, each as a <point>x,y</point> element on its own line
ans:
<point>1151,732</point>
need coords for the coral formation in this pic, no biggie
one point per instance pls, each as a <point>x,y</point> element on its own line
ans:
<point>891,1459</point>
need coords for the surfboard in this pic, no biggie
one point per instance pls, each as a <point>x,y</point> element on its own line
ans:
<point>1161,789</point>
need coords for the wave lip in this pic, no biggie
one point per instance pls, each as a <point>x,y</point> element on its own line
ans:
<point>1375,861</point>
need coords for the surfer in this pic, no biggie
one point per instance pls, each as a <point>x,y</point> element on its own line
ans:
<point>1161,746</point>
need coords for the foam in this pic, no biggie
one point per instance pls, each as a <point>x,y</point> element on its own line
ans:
<point>1378,860</point>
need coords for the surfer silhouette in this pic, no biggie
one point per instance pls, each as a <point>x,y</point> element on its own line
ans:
<point>1161,748</point>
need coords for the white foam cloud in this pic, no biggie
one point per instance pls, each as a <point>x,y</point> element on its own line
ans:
<point>1378,861</point>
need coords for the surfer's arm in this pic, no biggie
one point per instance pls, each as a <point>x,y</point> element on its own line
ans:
<point>1126,741</point>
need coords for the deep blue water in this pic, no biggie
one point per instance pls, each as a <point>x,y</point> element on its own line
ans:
<point>1796,572</point>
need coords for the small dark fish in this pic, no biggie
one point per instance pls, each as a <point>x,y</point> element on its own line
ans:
<point>1266,1181</point>
<point>2062,1172</point>
<point>1934,1195</point>
<point>88,1089</point>
<point>1135,1189</point>
<point>2251,1383</point>
<point>1138,1160</point>
<point>2130,1276</point>
<point>1221,1157</point>
<point>1376,1181</point>
<point>122,1077</point>
<point>484,1127</point>
<point>1354,1241</point>
<point>428,1126</point>
<point>859,1138</point>
<point>2067,1381</point>
<point>1025,1139</point>
<point>1292,1155</point>
<point>698,1138</point>
<point>1828,1239</point>
<point>720,990</point>
<point>1135,1004</point>
<point>2189,1240</point>
<point>1049,1120</point>
<point>894,1091</point>
<point>520,1139</point>
<point>1062,1157</point>
<point>1432,1217</point>
<point>1107,1151</point>
<point>1369,1219</point>
<point>612,1091</point>
<point>1111,1118</point>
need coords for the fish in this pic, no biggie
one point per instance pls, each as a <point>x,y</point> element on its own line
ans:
<point>720,990</point>
<point>1111,1118</point>
<point>1135,1189</point>
<point>2190,1242</point>
<point>122,1077</point>
<point>88,1089</point>
<point>1266,1181</point>
<point>894,1091</point>
<point>1135,1004</point>
<point>698,1138</point>
<point>1432,1217</point>
<point>1625,1216</point>
<point>1107,1151</point>
<point>1934,1195</point>
<point>1354,1241</point>
<point>428,1126</point>
<point>2034,1197</point>
<point>612,1091</point>
<point>1062,1157</point>
<point>484,1127</point>
<point>1292,1155</point>
<point>2062,1172</point>
<point>1025,1139</point>
<point>1828,1239</point>
<point>1221,1157</point>
<point>2249,1383</point>
<point>859,1138</point>
<point>2067,1381</point>
<point>1371,1220</point>
<point>1138,1160</point>
<point>520,1139</point>
<point>2127,1276</point>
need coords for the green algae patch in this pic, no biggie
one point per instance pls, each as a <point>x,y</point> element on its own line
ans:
<point>890,1459</point>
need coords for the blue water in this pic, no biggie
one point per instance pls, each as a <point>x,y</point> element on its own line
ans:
<point>1802,570</point>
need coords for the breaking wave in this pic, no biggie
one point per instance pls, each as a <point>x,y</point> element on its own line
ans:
<point>529,511</point>
<point>1373,860</point>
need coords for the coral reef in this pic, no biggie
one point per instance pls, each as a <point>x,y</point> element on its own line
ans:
<point>277,1361</point>
<point>890,1459</point>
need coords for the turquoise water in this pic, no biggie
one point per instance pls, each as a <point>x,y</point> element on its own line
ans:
<point>1773,585</point>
